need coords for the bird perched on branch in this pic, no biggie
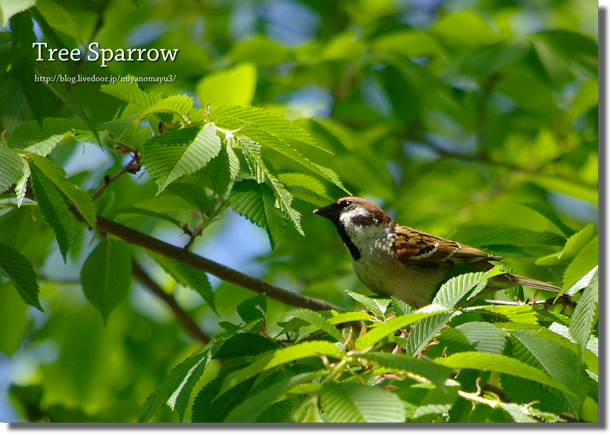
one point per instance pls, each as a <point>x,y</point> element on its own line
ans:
<point>408,264</point>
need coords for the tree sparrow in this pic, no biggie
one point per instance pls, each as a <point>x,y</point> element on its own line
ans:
<point>394,260</point>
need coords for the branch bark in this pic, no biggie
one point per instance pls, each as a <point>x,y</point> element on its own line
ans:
<point>182,316</point>
<point>225,273</point>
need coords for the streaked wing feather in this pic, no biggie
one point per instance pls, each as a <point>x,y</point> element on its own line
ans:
<point>419,248</point>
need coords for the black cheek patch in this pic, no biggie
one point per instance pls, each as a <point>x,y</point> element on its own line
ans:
<point>363,220</point>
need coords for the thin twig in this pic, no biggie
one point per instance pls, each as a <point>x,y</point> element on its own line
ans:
<point>207,221</point>
<point>108,181</point>
<point>183,317</point>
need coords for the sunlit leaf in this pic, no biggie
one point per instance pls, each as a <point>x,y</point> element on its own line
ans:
<point>106,275</point>
<point>356,403</point>
<point>176,389</point>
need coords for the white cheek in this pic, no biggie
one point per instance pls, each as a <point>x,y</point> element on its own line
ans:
<point>364,236</point>
<point>346,217</point>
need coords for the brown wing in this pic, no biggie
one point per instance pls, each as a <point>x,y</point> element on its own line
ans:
<point>419,248</point>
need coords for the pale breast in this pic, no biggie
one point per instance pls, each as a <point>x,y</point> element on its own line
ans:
<point>381,271</point>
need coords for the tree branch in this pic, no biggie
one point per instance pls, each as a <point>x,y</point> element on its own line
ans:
<point>225,273</point>
<point>108,181</point>
<point>182,316</point>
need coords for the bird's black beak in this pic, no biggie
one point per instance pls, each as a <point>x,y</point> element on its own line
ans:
<point>329,212</point>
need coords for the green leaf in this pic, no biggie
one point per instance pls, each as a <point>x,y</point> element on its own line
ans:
<point>404,100</point>
<point>65,93</point>
<point>319,321</point>
<point>119,126</point>
<point>574,244</point>
<point>560,363</point>
<point>565,186</point>
<point>259,171</point>
<point>550,214</point>
<point>452,340</point>
<point>349,316</point>
<point>182,152</point>
<point>585,315</point>
<point>43,148</point>
<point>194,193</point>
<point>130,91</point>
<point>424,400</point>
<point>516,237</point>
<point>224,168</point>
<point>275,358</point>
<point>305,187</point>
<point>267,122</point>
<point>106,275</point>
<point>55,211</point>
<point>464,29</point>
<point>245,344</point>
<point>458,287</point>
<point>498,363</point>
<point>166,202</point>
<point>572,46</point>
<point>35,131</point>
<point>558,334</point>
<point>261,50</point>
<point>423,332</point>
<point>409,43</point>
<point>376,305</point>
<point>176,104</point>
<point>22,183</point>
<point>582,282</point>
<point>57,176</point>
<point>382,331</point>
<point>187,276</point>
<point>517,314</point>
<point>176,389</point>
<point>355,403</point>
<point>235,85</point>
<point>253,309</point>
<point>251,408</point>
<point>277,144</point>
<point>18,269</point>
<point>17,228</point>
<point>58,18</point>
<point>14,7</point>
<point>208,409</point>
<point>11,168</point>
<point>484,337</point>
<point>584,261</point>
<point>401,307</point>
<point>493,58</point>
<point>397,363</point>
<point>256,202</point>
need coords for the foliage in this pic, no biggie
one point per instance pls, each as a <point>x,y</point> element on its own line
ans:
<point>464,121</point>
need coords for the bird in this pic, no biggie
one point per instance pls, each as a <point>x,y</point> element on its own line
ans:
<point>405,263</point>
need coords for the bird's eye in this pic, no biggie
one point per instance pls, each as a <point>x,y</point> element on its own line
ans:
<point>345,204</point>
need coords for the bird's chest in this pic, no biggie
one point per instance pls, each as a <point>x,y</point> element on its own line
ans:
<point>381,271</point>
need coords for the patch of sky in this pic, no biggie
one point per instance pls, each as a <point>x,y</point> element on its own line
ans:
<point>289,22</point>
<point>308,101</point>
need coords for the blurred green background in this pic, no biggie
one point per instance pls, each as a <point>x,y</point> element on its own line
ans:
<point>448,114</point>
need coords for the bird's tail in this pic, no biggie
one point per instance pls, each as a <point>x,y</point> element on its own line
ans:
<point>529,282</point>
